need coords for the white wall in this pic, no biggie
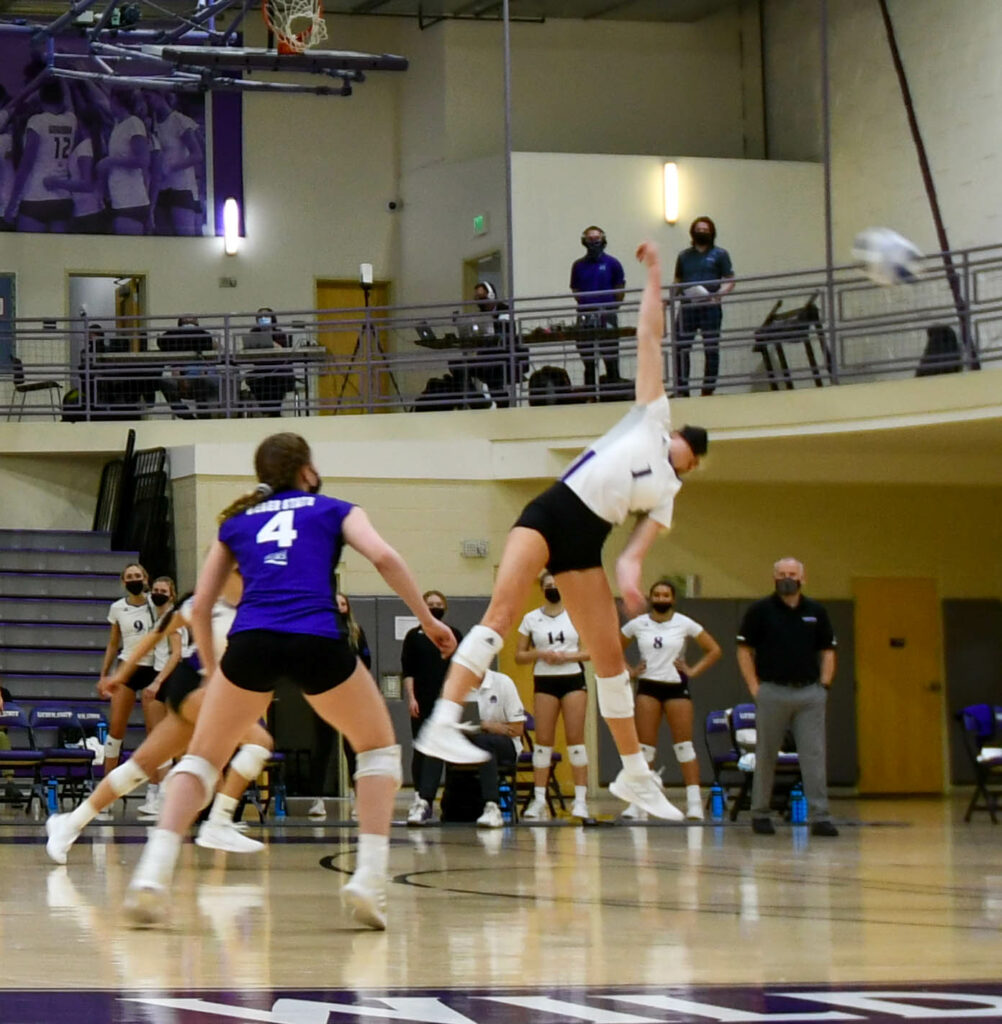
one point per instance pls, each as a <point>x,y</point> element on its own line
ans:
<point>768,213</point>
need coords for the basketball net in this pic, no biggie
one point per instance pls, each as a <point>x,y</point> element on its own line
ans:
<point>297,25</point>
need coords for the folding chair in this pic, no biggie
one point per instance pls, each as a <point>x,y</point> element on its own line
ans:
<point>982,729</point>
<point>745,736</point>
<point>72,766</point>
<point>723,754</point>
<point>525,774</point>
<point>274,788</point>
<point>20,762</point>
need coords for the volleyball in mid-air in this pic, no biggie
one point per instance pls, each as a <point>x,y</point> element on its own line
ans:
<point>887,257</point>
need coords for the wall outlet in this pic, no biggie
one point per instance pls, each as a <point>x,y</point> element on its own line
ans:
<point>474,548</point>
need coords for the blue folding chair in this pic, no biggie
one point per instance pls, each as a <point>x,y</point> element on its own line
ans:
<point>65,759</point>
<point>525,774</point>
<point>787,763</point>
<point>982,731</point>
<point>20,762</point>
<point>722,752</point>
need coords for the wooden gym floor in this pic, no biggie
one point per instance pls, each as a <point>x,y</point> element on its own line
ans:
<point>541,924</point>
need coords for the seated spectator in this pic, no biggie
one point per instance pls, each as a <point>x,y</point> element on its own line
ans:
<point>491,366</point>
<point>502,723</point>
<point>11,793</point>
<point>271,381</point>
<point>193,380</point>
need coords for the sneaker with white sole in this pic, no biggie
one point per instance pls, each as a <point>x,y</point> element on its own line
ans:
<point>150,807</point>
<point>491,818</point>
<point>448,742</point>
<point>214,835</point>
<point>105,815</point>
<point>317,809</point>
<point>694,809</point>
<point>61,837</point>
<point>536,811</point>
<point>633,813</point>
<point>365,893</point>
<point>579,809</point>
<point>646,793</point>
<point>419,813</point>
<point>145,905</point>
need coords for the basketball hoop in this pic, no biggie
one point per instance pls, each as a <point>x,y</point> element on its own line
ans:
<point>297,25</point>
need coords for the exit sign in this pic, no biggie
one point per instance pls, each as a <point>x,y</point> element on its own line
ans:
<point>480,224</point>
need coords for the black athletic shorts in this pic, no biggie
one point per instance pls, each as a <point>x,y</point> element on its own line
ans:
<point>573,533</point>
<point>141,678</point>
<point>47,210</point>
<point>661,691</point>
<point>259,659</point>
<point>181,683</point>
<point>180,197</point>
<point>559,686</point>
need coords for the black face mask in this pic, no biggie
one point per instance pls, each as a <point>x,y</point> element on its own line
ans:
<point>135,586</point>
<point>160,599</point>
<point>662,606</point>
<point>702,238</point>
<point>551,594</point>
<point>595,249</point>
<point>787,587</point>
<point>437,613</point>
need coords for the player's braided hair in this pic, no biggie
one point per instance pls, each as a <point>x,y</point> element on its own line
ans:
<point>277,462</point>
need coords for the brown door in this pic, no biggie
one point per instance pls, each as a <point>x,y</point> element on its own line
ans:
<point>348,385</point>
<point>899,699</point>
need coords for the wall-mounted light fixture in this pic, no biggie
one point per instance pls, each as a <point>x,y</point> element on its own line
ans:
<point>671,191</point>
<point>231,227</point>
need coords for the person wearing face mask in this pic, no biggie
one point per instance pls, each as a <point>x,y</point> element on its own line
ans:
<point>131,618</point>
<point>270,381</point>
<point>786,654</point>
<point>423,668</point>
<point>548,641</point>
<point>663,685</point>
<point>194,380</point>
<point>599,283</point>
<point>706,275</point>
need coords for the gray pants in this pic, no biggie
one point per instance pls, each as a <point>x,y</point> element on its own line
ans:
<point>802,709</point>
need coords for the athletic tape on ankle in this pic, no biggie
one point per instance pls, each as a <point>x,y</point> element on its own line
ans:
<point>206,773</point>
<point>112,747</point>
<point>615,695</point>
<point>685,752</point>
<point>478,649</point>
<point>541,756</point>
<point>249,761</point>
<point>577,754</point>
<point>380,761</point>
<point>649,752</point>
<point>126,777</point>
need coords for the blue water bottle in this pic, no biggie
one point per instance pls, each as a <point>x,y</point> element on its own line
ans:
<point>52,796</point>
<point>798,805</point>
<point>717,802</point>
<point>281,808</point>
<point>505,802</point>
<point>102,731</point>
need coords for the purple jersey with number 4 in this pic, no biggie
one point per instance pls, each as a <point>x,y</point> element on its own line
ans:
<point>287,548</point>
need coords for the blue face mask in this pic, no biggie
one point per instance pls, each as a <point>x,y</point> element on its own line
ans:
<point>264,321</point>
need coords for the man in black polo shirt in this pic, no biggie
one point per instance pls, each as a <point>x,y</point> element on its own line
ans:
<point>786,653</point>
<point>423,669</point>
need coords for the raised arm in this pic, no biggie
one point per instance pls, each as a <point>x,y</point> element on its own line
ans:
<point>650,329</point>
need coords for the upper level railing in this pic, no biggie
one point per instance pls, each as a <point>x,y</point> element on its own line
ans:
<point>804,329</point>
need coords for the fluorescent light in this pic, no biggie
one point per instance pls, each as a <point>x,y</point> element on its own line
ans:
<point>231,227</point>
<point>671,192</point>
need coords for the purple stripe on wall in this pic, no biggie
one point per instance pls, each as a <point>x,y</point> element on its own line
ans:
<point>227,154</point>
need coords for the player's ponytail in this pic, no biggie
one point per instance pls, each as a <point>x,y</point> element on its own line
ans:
<point>277,462</point>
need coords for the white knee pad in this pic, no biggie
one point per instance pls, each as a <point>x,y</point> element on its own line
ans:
<point>380,761</point>
<point>541,757</point>
<point>249,760</point>
<point>202,770</point>
<point>478,649</point>
<point>126,777</point>
<point>615,695</point>
<point>685,752</point>
<point>649,752</point>
<point>112,747</point>
<point>577,754</point>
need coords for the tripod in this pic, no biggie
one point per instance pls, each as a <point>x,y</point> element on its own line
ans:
<point>372,346</point>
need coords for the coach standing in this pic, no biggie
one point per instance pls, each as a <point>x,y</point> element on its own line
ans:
<point>786,653</point>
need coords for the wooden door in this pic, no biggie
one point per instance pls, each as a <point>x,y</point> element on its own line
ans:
<point>899,698</point>
<point>348,386</point>
<point>130,307</point>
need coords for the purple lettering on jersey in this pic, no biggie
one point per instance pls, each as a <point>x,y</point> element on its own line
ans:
<point>287,548</point>
<point>578,463</point>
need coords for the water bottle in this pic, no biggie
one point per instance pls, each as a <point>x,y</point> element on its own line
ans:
<point>52,796</point>
<point>102,732</point>
<point>717,802</point>
<point>281,809</point>
<point>505,802</point>
<point>798,805</point>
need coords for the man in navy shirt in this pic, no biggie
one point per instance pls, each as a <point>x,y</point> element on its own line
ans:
<point>707,275</point>
<point>598,282</point>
